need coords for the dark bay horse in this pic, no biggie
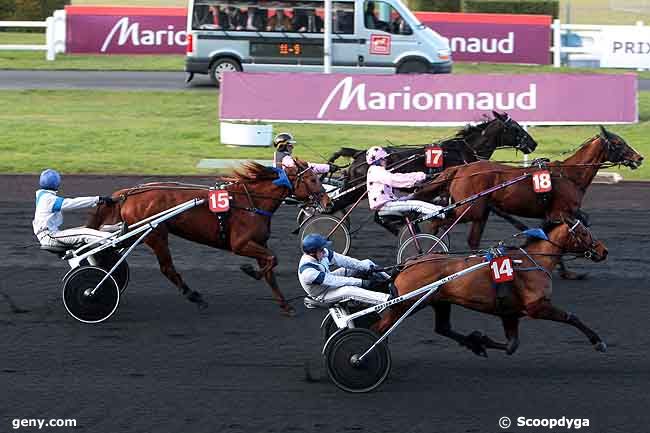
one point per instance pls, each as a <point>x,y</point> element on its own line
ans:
<point>256,192</point>
<point>570,180</point>
<point>470,144</point>
<point>529,294</point>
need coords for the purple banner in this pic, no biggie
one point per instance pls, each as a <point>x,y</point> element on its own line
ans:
<point>427,99</point>
<point>100,30</point>
<point>494,37</point>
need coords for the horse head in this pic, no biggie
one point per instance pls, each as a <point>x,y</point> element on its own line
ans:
<point>307,185</point>
<point>579,239</point>
<point>513,134</point>
<point>618,151</point>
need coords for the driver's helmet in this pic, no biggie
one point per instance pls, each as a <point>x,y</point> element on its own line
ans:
<point>314,242</point>
<point>50,179</point>
<point>375,154</point>
<point>284,141</point>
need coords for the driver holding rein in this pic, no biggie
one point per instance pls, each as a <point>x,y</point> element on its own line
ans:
<point>380,183</point>
<point>282,158</point>
<point>341,284</point>
<point>49,214</point>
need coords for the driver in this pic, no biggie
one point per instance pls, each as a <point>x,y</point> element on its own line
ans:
<point>341,284</point>
<point>380,183</point>
<point>282,158</point>
<point>48,216</point>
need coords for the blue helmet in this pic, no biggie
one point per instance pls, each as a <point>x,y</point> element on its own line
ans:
<point>314,242</point>
<point>50,179</point>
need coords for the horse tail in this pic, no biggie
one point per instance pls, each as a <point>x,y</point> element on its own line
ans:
<point>105,214</point>
<point>344,152</point>
<point>439,185</point>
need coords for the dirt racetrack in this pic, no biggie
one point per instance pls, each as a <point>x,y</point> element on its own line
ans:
<point>159,365</point>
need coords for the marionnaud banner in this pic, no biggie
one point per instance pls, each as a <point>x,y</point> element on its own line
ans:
<point>444,100</point>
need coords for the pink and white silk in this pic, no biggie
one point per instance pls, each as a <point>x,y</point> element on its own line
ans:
<point>288,161</point>
<point>380,183</point>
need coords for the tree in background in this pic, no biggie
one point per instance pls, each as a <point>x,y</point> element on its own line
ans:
<point>29,10</point>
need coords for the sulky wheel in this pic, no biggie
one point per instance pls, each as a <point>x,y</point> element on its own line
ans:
<point>324,224</point>
<point>418,245</point>
<point>106,259</point>
<point>90,307</point>
<point>343,367</point>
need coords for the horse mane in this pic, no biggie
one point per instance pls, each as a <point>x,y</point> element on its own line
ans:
<point>470,129</point>
<point>254,172</point>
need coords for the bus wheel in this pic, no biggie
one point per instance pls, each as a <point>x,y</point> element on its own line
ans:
<point>413,67</point>
<point>220,66</point>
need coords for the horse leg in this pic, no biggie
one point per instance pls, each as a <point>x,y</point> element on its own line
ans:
<point>442,326</point>
<point>544,310</point>
<point>566,274</point>
<point>476,341</point>
<point>157,241</point>
<point>476,231</point>
<point>266,261</point>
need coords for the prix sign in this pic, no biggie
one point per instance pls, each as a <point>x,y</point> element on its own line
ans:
<point>625,47</point>
<point>125,30</point>
<point>540,99</point>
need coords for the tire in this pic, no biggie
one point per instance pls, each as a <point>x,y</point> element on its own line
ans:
<point>365,376</point>
<point>323,224</point>
<point>106,260</point>
<point>413,67</point>
<point>425,241</point>
<point>224,64</point>
<point>88,308</point>
<point>307,212</point>
<point>405,233</point>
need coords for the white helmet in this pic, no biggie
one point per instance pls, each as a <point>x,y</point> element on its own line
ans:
<point>375,154</point>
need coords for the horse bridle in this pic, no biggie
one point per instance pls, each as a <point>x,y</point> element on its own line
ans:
<point>315,196</point>
<point>590,251</point>
<point>521,136</point>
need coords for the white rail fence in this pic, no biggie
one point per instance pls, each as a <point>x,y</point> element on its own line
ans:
<point>582,45</point>
<point>54,35</point>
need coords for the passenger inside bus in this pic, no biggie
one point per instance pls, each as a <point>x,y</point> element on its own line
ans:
<point>306,20</point>
<point>279,22</point>
<point>255,19</point>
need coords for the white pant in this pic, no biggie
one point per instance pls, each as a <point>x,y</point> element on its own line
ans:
<point>71,237</point>
<point>400,207</point>
<point>355,293</point>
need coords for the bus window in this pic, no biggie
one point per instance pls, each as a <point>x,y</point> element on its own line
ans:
<point>343,18</point>
<point>382,16</point>
<point>279,20</point>
<point>307,20</point>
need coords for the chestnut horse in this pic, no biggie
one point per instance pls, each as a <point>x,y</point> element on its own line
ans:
<point>529,293</point>
<point>570,180</point>
<point>256,193</point>
<point>470,144</point>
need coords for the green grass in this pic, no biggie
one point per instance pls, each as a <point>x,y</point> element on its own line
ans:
<point>169,132</point>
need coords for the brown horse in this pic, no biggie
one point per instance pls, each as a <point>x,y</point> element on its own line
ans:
<point>570,180</point>
<point>256,193</point>
<point>528,295</point>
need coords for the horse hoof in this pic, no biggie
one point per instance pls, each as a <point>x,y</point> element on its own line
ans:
<point>600,347</point>
<point>196,298</point>
<point>249,270</point>
<point>289,311</point>
<point>569,275</point>
<point>475,344</point>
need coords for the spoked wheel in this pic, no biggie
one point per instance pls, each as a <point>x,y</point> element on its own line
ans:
<point>307,212</point>
<point>106,260</point>
<point>90,307</point>
<point>410,248</point>
<point>343,365</point>
<point>323,225</point>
